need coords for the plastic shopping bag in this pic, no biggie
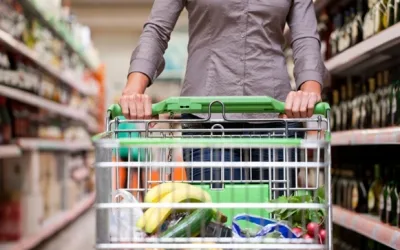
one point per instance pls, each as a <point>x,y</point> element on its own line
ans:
<point>267,227</point>
<point>123,220</point>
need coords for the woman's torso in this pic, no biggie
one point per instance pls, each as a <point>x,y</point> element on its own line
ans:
<point>235,48</point>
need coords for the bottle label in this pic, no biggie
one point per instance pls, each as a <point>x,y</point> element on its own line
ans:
<point>371,200</point>
<point>389,204</point>
<point>381,202</point>
<point>354,196</point>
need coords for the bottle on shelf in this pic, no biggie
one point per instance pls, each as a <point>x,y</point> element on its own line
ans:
<point>356,105</point>
<point>385,100</point>
<point>393,198</point>
<point>379,15</point>
<point>350,98</point>
<point>374,192</point>
<point>334,37</point>
<point>344,41</point>
<point>390,12</point>
<point>363,122</point>
<point>383,197</point>
<point>357,24</point>
<point>358,190</point>
<point>343,107</point>
<point>396,11</point>
<point>369,20</point>
<point>379,110</point>
<point>371,104</point>
<point>335,123</point>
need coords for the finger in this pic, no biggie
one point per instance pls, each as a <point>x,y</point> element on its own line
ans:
<point>304,104</point>
<point>296,104</point>
<point>311,105</point>
<point>139,107</point>
<point>289,104</point>
<point>124,106</point>
<point>147,107</point>
<point>132,108</point>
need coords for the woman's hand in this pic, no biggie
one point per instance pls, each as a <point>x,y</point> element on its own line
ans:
<point>300,104</point>
<point>134,103</point>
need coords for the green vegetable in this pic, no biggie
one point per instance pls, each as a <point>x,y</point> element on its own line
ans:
<point>295,216</point>
<point>191,225</point>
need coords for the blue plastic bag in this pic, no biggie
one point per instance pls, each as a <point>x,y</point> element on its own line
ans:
<point>267,226</point>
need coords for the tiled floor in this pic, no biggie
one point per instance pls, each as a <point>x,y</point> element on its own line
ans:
<point>79,235</point>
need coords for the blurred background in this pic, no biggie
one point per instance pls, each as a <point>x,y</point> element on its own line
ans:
<point>62,62</point>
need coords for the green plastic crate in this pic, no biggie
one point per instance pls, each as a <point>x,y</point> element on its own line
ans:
<point>241,193</point>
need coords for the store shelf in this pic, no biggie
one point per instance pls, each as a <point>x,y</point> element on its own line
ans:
<point>57,30</point>
<point>366,54</point>
<point>367,226</point>
<point>9,151</point>
<point>40,102</point>
<point>58,223</point>
<point>54,145</point>
<point>19,47</point>
<point>367,137</point>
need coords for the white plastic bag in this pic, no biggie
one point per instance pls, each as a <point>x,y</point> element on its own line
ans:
<point>123,220</point>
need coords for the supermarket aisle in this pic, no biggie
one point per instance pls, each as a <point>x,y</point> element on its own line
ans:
<point>78,236</point>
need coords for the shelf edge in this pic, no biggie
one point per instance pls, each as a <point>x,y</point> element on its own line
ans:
<point>366,226</point>
<point>46,232</point>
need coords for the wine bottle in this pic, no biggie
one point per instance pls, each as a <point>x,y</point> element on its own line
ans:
<point>396,11</point>
<point>379,16</point>
<point>383,197</point>
<point>374,192</point>
<point>357,24</point>
<point>392,199</point>
<point>371,103</point>
<point>390,9</point>
<point>349,103</point>
<point>333,38</point>
<point>358,192</point>
<point>368,24</point>
<point>336,121</point>
<point>363,107</point>
<point>343,107</point>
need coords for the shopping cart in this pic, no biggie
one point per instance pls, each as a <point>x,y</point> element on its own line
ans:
<point>248,171</point>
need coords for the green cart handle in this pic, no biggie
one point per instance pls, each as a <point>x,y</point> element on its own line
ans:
<point>232,104</point>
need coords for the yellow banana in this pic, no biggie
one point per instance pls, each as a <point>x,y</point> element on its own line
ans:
<point>153,218</point>
<point>158,192</point>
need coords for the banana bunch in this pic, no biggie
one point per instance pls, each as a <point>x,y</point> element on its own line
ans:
<point>153,218</point>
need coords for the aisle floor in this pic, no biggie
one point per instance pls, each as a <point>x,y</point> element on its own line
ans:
<point>79,235</point>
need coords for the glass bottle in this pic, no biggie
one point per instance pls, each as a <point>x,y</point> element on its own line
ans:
<point>363,107</point>
<point>393,197</point>
<point>390,12</point>
<point>374,192</point>
<point>343,107</point>
<point>368,24</point>
<point>383,197</point>
<point>371,103</point>
<point>379,16</point>
<point>396,11</point>
<point>357,24</point>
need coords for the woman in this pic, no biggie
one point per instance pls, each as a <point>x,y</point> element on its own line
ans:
<point>235,49</point>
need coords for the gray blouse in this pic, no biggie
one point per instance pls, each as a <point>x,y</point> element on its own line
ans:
<point>235,46</point>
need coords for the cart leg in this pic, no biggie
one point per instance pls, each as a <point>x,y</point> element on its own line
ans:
<point>103,195</point>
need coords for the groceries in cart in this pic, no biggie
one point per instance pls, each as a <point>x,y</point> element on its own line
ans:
<point>207,222</point>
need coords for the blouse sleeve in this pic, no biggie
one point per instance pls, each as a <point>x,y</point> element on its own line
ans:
<point>148,58</point>
<point>308,63</point>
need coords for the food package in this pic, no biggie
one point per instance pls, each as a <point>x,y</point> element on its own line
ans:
<point>123,220</point>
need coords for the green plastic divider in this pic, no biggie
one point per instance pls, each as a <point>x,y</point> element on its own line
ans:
<point>209,142</point>
<point>232,104</point>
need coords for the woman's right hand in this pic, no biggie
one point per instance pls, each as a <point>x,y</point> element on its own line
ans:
<point>134,103</point>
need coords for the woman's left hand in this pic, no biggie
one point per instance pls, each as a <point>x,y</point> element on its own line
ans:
<point>300,104</point>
